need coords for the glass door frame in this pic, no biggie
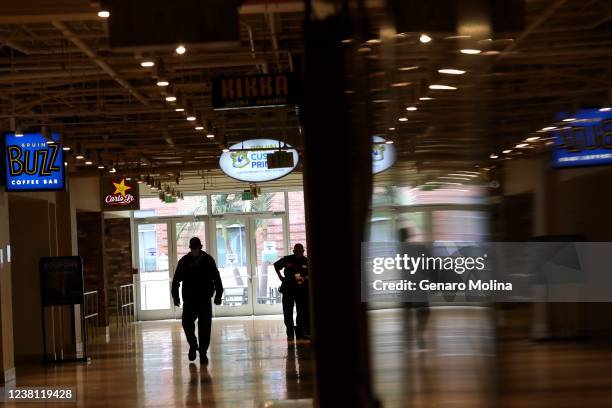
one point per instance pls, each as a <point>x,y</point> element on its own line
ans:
<point>173,312</point>
<point>251,308</point>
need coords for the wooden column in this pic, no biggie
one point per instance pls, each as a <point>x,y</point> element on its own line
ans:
<point>7,349</point>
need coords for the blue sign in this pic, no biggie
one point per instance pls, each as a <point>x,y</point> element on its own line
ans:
<point>584,141</point>
<point>32,164</point>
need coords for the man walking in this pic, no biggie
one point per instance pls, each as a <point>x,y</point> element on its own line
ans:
<point>294,288</point>
<point>200,276</point>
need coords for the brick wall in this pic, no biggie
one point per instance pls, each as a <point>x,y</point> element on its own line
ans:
<point>117,256</point>
<point>90,235</point>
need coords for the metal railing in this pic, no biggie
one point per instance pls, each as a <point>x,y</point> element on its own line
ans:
<point>90,311</point>
<point>125,304</point>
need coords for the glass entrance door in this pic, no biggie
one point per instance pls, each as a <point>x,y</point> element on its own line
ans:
<point>155,256</point>
<point>232,248</point>
<point>269,239</point>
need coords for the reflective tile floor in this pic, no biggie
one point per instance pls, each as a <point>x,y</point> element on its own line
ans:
<point>461,365</point>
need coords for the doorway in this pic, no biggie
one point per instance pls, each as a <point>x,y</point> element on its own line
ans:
<point>245,247</point>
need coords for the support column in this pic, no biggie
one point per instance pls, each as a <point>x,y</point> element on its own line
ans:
<point>7,349</point>
<point>66,225</point>
<point>337,187</point>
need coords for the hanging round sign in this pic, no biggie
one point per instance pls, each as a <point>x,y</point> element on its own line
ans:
<point>383,155</point>
<point>248,160</point>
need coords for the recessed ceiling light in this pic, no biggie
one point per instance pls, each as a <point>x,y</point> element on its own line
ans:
<point>507,151</point>
<point>191,118</point>
<point>391,128</point>
<point>389,142</point>
<point>470,51</point>
<point>162,82</point>
<point>491,52</point>
<point>569,119</point>
<point>442,87</point>
<point>66,148</point>
<point>180,49</point>
<point>199,128</point>
<point>347,41</point>
<point>18,133</point>
<point>424,38</point>
<point>113,170</point>
<point>179,109</point>
<point>457,37</point>
<point>411,108</point>
<point>493,156</point>
<point>88,163</point>
<point>80,157</point>
<point>403,119</point>
<point>374,41</point>
<point>605,109</point>
<point>451,71</point>
<point>210,135</point>
<point>547,128</point>
<point>425,98</point>
<point>101,166</point>
<point>532,139</point>
<point>225,150</point>
<point>147,64</point>
<point>170,98</point>
<point>412,68</point>
<point>400,84</point>
<point>104,14</point>
<point>521,145</point>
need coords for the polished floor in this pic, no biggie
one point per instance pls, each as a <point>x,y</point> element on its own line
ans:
<point>461,365</point>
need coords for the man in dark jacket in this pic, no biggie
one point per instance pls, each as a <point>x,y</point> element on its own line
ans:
<point>294,288</point>
<point>200,276</point>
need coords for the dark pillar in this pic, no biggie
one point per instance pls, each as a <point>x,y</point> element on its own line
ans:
<point>337,184</point>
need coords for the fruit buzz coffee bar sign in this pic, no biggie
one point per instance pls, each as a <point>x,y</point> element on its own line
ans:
<point>119,193</point>
<point>254,91</point>
<point>33,164</point>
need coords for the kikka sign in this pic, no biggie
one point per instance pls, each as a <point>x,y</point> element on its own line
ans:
<point>255,91</point>
<point>119,194</point>
<point>248,160</point>
<point>32,164</point>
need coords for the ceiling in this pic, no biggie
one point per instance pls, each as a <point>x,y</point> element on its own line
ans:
<point>57,70</point>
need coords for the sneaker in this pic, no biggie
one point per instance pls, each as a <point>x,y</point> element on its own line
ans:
<point>203,358</point>
<point>192,353</point>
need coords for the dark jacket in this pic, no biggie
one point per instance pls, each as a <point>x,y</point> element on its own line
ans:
<point>200,278</point>
<point>292,265</point>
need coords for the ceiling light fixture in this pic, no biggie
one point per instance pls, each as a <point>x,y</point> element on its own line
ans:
<point>605,109</point>
<point>411,108</point>
<point>18,133</point>
<point>493,156</point>
<point>425,98</point>
<point>374,41</point>
<point>162,82</point>
<point>507,151</point>
<point>112,170</point>
<point>391,128</point>
<point>199,128</point>
<point>147,64</point>
<point>412,68</point>
<point>179,110</point>
<point>424,38</point>
<point>191,118</point>
<point>470,51</point>
<point>400,84</point>
<point>547,128</point>
<point>403,119</point>
<point>101,166</point>
<point>170,98</point>
<point>80,156</point>
<point>210,135</point>
<point>225,150</point>
<point>180,50</point>
<point>568,119</point>
<point>442,87</point>
<point>532,139</point>
<point>451,71</point>
<point>88,162</point>
<point>66,148</point>
<point>389,142</point>
<point>104,14</point>
<point>522,145</point>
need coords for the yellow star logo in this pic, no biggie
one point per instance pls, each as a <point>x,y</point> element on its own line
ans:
<point>121,188</point>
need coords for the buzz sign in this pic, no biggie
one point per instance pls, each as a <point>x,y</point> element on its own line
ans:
<point>33,162</point>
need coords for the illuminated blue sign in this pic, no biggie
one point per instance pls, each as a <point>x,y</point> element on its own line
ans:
<point>32,164</point>
<point>584,141</point>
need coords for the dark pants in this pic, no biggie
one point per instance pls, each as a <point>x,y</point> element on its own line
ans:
<point>300,299</point>
<point>202,312</point>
